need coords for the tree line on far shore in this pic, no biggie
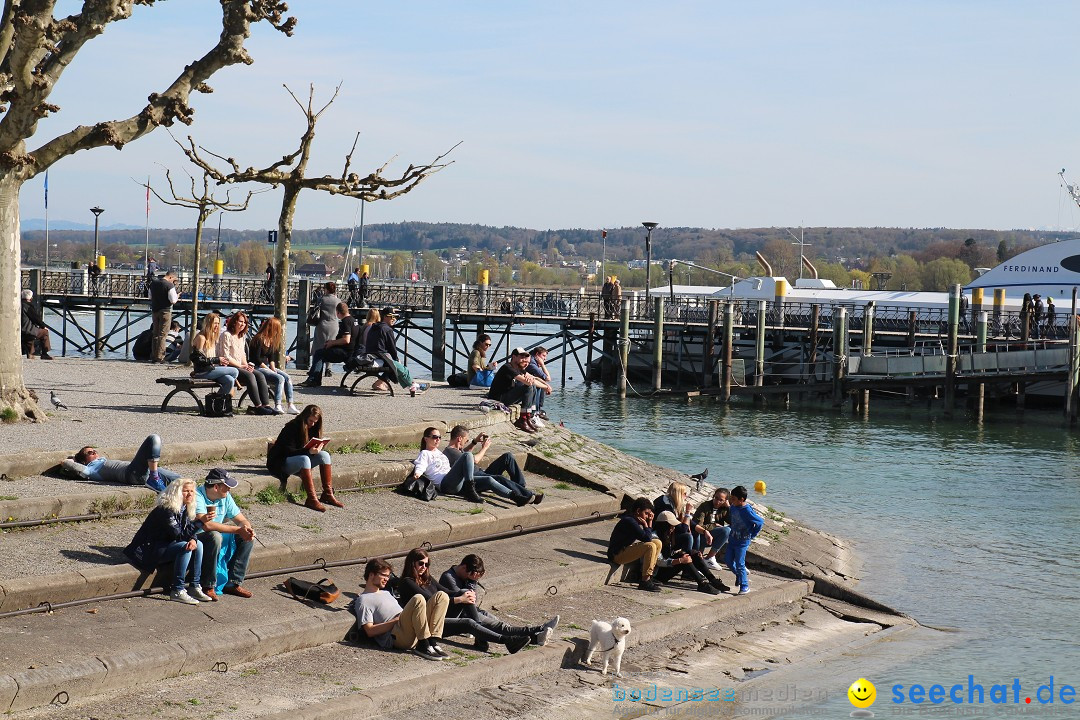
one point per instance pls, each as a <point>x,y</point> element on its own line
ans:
<point>901,258</point>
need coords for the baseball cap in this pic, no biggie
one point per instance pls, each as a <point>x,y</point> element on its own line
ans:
<point>219,475</point>
<point>520,351</point>
<point>387,311</point>
<point>667,517</point>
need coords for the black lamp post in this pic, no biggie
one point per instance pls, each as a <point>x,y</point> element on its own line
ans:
<point>97,213</point>
<point>648,254</point>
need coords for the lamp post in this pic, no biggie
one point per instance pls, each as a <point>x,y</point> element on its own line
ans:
<point>97,213</point>
<point>648,253</point>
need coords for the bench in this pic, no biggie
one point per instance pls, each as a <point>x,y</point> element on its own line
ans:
<point>190,385</point>
<point>361,374</point>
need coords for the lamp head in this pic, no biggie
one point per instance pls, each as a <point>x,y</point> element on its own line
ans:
<point>96,210</point>
<point>650,225</point>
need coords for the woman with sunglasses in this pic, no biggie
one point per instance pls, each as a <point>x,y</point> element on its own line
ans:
<point>462,616</point>
<point>478,358</point>
<point>232,345</point>
<point>461,477</point>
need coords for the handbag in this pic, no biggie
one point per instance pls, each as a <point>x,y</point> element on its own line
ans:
<point>421,487</point>
<point>324,591</point>
<point>483,378</point>
<point>313,315</point>
<point>218,404</point>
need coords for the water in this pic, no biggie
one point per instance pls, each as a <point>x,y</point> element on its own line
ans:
<point>970,527</point>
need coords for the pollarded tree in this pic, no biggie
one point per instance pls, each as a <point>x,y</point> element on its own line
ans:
<point>291,174</point>
<point>36,48</point>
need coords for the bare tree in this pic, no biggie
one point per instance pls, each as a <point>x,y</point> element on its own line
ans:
<point>204,201</point>
<point>289,172</point>
<point>36,48</point>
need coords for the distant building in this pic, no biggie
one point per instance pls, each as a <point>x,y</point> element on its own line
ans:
<point>314,270</point>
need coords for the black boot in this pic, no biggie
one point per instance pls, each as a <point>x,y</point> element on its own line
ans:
<point>521,499</point>
<point>468,491</point>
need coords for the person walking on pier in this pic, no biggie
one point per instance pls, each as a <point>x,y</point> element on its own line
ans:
<point>632,540</point>
<point>162,298</point>
<point>364,284</point>
<point>605,297</point>
<point>354,286</point>
<point>616,297</point>
<point>745,525</point>
<point>1051,319</point>
<point>268,284</point>
<point>1036,315</point>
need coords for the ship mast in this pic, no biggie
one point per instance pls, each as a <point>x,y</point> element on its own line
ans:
<point>1074,191</point>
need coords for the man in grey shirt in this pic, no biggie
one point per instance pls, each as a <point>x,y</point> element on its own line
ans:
<point>417,627</point>
<point>143,469</point>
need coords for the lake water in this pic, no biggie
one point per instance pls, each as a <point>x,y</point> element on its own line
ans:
<point>970,527</point>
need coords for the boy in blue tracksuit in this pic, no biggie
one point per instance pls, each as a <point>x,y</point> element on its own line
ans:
<point>745,525</point>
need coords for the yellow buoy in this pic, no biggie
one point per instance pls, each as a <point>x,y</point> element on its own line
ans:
<point>760,486</point>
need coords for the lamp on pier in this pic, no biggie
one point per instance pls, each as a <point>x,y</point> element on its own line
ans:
<point>649,226</point>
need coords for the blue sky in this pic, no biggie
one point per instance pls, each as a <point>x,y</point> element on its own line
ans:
<point>604,114</point>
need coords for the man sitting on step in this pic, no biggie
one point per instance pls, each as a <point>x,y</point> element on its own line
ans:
<point>221,516</point>
<point>505,463</point>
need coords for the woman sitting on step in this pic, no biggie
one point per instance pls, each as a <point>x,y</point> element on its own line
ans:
<point>297,450</point>
<point>677,555</point>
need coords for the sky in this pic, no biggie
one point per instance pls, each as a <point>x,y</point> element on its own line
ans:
<point>605,114</point>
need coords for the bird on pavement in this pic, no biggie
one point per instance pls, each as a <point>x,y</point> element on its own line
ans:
<point>56,401</point>
<point>700,477</point>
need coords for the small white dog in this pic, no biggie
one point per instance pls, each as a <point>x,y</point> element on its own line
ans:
<point>610,638</point>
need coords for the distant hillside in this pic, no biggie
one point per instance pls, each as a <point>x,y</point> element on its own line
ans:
<point>39,224</point>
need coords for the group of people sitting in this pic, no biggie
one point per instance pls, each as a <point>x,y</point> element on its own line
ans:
<point>668,538</point>
<point>523,380</point>
<point>417,611</point>
<point>371,344</point>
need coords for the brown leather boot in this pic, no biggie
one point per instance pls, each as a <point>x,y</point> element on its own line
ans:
<point>309,487</point>
<point>328,487</point>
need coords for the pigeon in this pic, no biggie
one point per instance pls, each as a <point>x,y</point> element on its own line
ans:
<point>700,477</point>
<point>56,401</point>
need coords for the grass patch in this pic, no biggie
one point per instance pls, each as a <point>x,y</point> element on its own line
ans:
<point>248,672</point>
<point>9,415</point>
<point>312,528</point>
<point>229,457</point>
<point>346,450</point>
<point>373,446</point>
<point>574,626</point>
<point>109,504</point>
<point>271,496</point>
<point>271,526</point>
<point>476,510</point>
<point>9,497</point>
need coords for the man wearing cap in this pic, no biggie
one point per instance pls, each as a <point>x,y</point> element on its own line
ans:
<point>220,515</point>
<point>382,343</point>
<point>513,385</point>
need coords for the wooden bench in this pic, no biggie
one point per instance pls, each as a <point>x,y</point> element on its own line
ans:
<point>189,385</point>
<point>361,374</point>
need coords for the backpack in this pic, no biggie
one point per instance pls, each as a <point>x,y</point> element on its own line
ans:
<point>422,487</point>
<point>458,380</point>
<point>140,349</point>
<point>218,404</point>
<point>324,591</point>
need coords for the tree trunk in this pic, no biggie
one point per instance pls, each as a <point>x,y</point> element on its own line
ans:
<point>281,263</point>
<point>13,393</point>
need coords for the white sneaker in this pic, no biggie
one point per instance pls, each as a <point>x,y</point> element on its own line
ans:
<point>278,410</point>
<point>712,564</point>
<point>543,636</point>
<point>196,592</point>
<point>537,422</point>
<point>181,596</point>
<point>292,410</point>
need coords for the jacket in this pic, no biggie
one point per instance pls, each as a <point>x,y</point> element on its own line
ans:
<point>290,441</point>
<point>161,528</point>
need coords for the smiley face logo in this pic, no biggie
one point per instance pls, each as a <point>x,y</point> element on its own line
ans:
<point>862,693</point>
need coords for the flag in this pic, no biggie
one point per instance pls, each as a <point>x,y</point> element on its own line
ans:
<point>46,189</point>
<point>603,233</point>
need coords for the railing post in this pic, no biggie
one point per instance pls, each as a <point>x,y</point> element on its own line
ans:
<point>707,364</point>
<point>658,341</point>
<point>303,340</point>
<point>438,333</point>
<point>953,349</point>
<point>840,346</point>
<point>980,347</point>
<point>759,350</point>
<point>867,348</point>
<point>624,347</point>
<point>725,357</point>
<point>99,331</point>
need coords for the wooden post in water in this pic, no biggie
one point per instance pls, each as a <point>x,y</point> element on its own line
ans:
<point>1070,381</point>
<point>980,346</point>
<point>759,350</point>
<point>99,331</point>
<point>913,325</point>
<point>589,349</point>
<point>624,346</point>
<point>303,341</point>
<point>725,357</point>
<point>658,341</point>
<point>999,308</point>
<point>952,350</point>
<point>707,363</point>
<point>867,349</point>
<point>815,320</point>
<point>976,305</point>
<point>562,360</point>
<point>839,354</point>
<point>438,332</point>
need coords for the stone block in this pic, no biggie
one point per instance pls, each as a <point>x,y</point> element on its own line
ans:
<point>232,647</point>
<point>307,552</point>
<point>28,592</point>
<point>328,626</point>
<point>147,664</point>
<point>78,679</point>
<point>375,543</point>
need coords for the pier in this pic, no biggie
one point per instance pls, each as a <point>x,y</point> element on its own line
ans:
<point>684,346</point>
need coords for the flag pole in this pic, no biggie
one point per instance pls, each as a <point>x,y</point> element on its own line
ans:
<point>146,248</point>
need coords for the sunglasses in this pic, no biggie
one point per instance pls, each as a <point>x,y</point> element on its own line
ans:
<point>434,437</point>
<point>422,563</point>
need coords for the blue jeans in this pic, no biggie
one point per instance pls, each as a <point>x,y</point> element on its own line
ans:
<point>295,463</point>
<point>506,463</point>
<point>463,471</point>
<point>223,375</point>
<point>279,382</point>
<point>183,558</point>
<point>138,470</point>
<point>719,534</point>
<point>735,557</point>
<point>238,563</point>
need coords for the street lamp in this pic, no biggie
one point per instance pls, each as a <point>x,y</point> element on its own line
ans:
<point>648,254</point>
<point>97,213</point>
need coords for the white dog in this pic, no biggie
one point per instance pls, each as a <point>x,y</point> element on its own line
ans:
<point>610,638</point>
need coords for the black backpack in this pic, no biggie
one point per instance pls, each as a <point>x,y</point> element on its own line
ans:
<point>218,404</point>
<point>140,349</point>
